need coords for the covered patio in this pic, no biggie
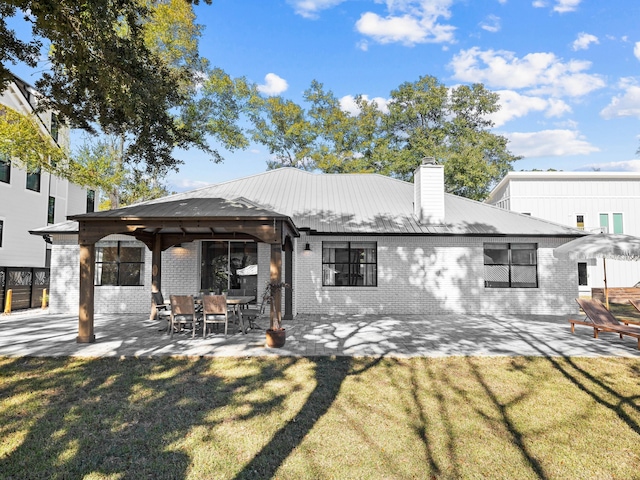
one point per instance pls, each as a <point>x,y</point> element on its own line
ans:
<point>163,225</point>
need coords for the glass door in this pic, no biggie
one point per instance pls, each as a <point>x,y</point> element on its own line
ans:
<point>229,266</point>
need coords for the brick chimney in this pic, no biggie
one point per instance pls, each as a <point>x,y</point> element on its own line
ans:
<point>428,187</point>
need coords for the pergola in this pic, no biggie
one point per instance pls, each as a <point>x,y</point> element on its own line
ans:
<point>164,224</point>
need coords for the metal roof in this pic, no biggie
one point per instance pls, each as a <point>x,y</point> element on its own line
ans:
<point>366,204</point>
<point>332,204</point>
<point>200,208</point>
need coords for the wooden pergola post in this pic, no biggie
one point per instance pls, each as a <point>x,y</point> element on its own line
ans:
<point>156,271</point>
<point>275,277</point>
<point>85,314</point>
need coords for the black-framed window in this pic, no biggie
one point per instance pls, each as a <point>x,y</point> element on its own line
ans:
<point>119,263</point>
<point>510,265</point>
<point>33,181</point>
<point>583,279</point>
<point>1,231</point>
<point>55,127</point>
<point>51,212</point>
<point>91,201</point>
<point>350,264</point>
<point>5,168</point>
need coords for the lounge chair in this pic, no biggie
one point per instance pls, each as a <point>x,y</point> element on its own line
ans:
<point>636,305</point>
<point>602,320</point>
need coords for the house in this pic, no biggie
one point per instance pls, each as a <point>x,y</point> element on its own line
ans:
<point>590,201</point>
<point>347,243</point>
<point>32,200</point>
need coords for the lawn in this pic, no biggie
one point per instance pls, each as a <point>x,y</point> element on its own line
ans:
<point>338,418</point>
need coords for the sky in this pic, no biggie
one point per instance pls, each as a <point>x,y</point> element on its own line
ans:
<point>567,71</point>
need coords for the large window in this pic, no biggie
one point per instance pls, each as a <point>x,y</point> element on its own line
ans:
<point>119,263</point>
<point>510,265</point>
<point>33,181</point>
<point>5,168</point>
<point>349,264</point>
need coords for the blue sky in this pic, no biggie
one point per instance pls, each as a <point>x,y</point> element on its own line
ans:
<point>567,71</point>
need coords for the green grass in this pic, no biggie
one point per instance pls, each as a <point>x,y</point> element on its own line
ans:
<point>320,418</point>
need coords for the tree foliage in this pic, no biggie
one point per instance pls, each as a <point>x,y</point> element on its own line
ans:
<point>424,119</point>
<point>23,140</point>
<point>114,66</point>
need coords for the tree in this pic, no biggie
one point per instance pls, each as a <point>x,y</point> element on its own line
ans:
<point>112,68</point>
<point>28,145</point>
<point>425,119</point>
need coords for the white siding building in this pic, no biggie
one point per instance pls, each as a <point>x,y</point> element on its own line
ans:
<point>592,201</point>
<point>30,201</point>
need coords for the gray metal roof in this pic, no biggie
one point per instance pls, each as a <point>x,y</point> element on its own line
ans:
<point>209,208</point>
<point>366,204</point>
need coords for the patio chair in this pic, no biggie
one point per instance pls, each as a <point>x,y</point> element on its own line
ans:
<point>602,320</point>
<point>214,310</point>
<point>253,312</point>
<point>183,313</point>
<point>160,310</point>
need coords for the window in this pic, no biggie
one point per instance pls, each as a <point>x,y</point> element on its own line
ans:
<point>91,201</point>
<point>119,263</point>
<point>580,222</point>
<point>604,222</point>
<point>582,273</point>
<point>617,223</point>
<point>33,181</point>
<point>5,169</point>
<point>51,215</point>
<point>349,264</point>
<point>230,266</point>
<point>510,265</point>
<point>1,231</point>
<point>55,126</point>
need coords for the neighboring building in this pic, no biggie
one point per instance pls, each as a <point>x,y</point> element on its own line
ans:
<point>353,243</point>
<point>590,201</point>
<point>31,200</point>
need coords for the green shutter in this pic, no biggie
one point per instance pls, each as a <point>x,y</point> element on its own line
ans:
<point>617,223</point>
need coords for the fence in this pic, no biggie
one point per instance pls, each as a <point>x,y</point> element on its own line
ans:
<point>27,285</point>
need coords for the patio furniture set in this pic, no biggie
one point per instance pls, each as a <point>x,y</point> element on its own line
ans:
<point>195,312</point>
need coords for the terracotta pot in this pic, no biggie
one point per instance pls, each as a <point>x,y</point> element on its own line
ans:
<point>276,338</point>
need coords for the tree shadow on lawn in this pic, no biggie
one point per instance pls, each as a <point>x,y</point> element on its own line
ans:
<point>130,418</point>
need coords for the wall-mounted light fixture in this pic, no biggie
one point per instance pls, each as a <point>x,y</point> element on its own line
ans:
<point>307,247</point>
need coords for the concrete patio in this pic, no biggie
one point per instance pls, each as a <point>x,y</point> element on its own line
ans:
<point>37,333</point>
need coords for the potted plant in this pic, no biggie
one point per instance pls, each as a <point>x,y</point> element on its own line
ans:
<point>276,335</point>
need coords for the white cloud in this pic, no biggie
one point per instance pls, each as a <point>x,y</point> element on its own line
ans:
<point>348,104</point>
<point>539,73</point>
<point>636,50</point>
<point>409,22</point>
<point>549,143</point>
<point>491,24</point>
<point>186,184</point>
<point>625,105</point>
<point>624,166</point>
<point>514,105</point>
<point>310,8</point>
<point>274,85</point>
<point>563,6</point>
<point>584,40</point>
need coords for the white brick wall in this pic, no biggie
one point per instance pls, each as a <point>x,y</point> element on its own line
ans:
<point>434,275</point>
<point>415,275</point>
